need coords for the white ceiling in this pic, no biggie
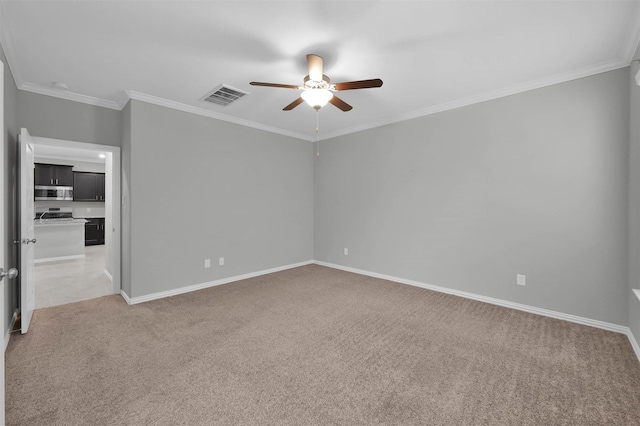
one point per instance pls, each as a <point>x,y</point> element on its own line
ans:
<point>431,55</point>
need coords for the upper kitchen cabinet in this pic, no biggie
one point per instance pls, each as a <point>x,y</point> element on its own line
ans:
<point>88,186</point>
<point>53,175</point>
<point>101,185</point>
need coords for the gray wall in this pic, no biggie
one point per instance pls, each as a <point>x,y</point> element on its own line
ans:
<point>634,200</point>
<point>55,118</point>
<point>9,191</point>
<point>534,183</point>
<point>203,188</point>
<point>125,212</point>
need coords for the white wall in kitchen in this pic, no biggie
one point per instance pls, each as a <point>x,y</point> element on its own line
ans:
<point>85,210</point>
<point>80,208</point>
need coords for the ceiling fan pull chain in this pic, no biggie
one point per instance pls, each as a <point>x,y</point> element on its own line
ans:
<point>318,133</point>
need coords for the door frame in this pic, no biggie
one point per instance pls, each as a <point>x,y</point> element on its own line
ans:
<point>112,175</point>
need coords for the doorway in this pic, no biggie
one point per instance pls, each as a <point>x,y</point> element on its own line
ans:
<point>92,268</point>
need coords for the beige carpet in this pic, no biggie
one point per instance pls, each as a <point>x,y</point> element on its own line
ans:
<point>312,346</point>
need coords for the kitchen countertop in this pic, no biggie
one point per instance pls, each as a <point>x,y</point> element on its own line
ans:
<point>48,222</point>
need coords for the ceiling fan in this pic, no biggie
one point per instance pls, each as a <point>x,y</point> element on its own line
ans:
<point>317,88</point>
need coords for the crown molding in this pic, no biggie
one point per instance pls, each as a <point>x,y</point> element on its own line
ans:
<point>212,114</point>
<point>6,39</point>
<point>127,95</point>
<point>483,97</point>
<point>70,96</point>
<point>123,99</point>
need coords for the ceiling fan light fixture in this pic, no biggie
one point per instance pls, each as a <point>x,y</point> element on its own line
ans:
<point>317,88</point>
<point>317,98</point>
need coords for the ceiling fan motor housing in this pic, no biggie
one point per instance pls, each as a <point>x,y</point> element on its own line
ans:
<point>311,84</point>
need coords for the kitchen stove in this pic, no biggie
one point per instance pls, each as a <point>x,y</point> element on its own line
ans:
<point>55,214</point>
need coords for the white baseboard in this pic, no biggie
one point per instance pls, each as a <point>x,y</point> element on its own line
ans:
<point>126,297</point>
<point>195,287</point>
<point>634,343</point>
<point>518,306</point>
<point>54,259</point>
<point>7,334</point>
<point>108,275</point>
<point>526,308</point>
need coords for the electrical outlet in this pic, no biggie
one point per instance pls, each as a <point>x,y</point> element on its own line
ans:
<point>521,279</point>
<point>207,263</point>
<point>346,251</point>
<point>221,261</point>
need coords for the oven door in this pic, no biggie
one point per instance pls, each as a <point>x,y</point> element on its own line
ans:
<point>47,193</point>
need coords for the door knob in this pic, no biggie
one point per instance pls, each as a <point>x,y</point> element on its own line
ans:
<point>27,241</point>
<point>11,273</point>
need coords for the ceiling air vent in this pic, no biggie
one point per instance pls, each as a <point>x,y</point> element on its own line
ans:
<point>224,95</point>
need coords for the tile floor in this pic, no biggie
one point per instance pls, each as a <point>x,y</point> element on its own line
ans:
<point>67,281</point>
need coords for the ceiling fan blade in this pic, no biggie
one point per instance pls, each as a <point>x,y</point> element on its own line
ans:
<point>293,104</point>
<point>314,62</point>
<point>283,86</point>
<point>360,84</point>
<point>336,101</point>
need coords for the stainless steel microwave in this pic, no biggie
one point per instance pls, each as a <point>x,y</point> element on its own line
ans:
<point>49,193</point>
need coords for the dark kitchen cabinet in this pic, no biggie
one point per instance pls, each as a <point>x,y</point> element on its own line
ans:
<point>101,186</point>
<point>94,231</point>
<point>42,174</point>
<point>88,186</point>
<point>53,175</point>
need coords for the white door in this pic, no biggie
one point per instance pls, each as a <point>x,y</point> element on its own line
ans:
<point>2,240</point>
<point>27,240</point>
